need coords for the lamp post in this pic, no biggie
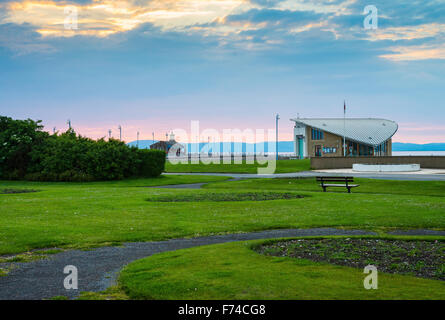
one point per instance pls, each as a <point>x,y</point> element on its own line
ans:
<point>344,128</point>
<point>276,141</point>
<point>137,143</point>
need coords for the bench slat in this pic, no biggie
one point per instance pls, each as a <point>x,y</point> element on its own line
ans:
<point>340,185</point>
<point>327,177</point>
<point>344,178</point>
<point>340,179</point>
<point>335,180</point>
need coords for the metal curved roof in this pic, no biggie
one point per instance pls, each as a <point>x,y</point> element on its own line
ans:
<point>367,131</point>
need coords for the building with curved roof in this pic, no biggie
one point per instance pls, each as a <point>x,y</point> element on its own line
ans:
<point>324,137</point>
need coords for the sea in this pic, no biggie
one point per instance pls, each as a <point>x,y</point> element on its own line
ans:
<point>418,153</point>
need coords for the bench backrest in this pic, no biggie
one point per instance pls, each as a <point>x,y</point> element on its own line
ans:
<point>335,179</point>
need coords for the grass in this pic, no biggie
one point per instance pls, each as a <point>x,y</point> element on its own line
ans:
<point>4,271</point>
<point>24,257</point>
<point>82,215</point>
<point>235,271</point>
<point>85,215</point>
<point>367,186</point>
<point>283,166</point>
<point>112,293</point>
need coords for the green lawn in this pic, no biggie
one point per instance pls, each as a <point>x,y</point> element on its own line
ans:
<point>79,215</point>
<point>283,166</point>
<point>369,186</point>
<point>235,271</point>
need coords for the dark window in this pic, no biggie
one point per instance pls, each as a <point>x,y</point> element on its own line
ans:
<point>317,134</point>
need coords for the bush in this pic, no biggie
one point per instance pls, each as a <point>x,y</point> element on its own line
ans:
<point>69,157</point>
<point>17,138</point>
<point>150,163</point>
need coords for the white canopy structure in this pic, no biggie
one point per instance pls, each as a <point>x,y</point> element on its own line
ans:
<point>371,135</point>
<point>369,131</point>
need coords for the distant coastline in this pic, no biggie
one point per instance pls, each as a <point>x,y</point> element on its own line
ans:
<point>287,147</point>
<point>418,153</point>
<point>398,146</point>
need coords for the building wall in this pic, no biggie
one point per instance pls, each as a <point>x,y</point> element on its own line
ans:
<point>332,141</point>
<point>430,162</point>
<point>329,141</point>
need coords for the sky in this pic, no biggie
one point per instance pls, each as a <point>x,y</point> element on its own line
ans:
<point>156,65</point>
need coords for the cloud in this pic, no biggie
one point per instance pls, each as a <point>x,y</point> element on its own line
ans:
<point>407,31</point>
<point>411,53</point>
<point>22,39</point>
<point>105,17</point>
<point>284,17</point>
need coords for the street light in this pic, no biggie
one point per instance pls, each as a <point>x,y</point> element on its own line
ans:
<point>276,141</point>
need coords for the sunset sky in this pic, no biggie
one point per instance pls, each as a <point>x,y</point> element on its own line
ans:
<point>156,65</point>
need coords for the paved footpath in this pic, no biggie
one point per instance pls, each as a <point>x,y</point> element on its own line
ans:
<point>98,268</point>
<point>313,174</point>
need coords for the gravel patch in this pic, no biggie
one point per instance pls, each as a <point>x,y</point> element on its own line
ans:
<point>225,196</point>
<point>424,259</point>
<point>14,191</point>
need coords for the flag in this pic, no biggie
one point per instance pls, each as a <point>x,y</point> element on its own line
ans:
<point>344,107</point>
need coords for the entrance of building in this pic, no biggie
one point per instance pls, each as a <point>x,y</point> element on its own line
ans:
<point>300,148</point>
<point>318,151</point>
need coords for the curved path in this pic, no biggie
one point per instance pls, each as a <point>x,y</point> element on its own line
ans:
<point>98,269</point>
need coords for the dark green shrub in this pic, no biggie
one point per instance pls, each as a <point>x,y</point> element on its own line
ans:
<point>17,138</point>
<point>69,157</point>
<point>150,163</point>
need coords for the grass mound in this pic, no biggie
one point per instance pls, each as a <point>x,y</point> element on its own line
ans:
<point>424,259</point>
<point>13,191</point>
<point>224,196</point>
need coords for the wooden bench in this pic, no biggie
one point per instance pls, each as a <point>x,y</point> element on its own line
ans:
<point>346,182</point>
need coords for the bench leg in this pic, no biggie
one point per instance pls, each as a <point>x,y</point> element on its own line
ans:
<point>324,189</point>
<point>349,190</point>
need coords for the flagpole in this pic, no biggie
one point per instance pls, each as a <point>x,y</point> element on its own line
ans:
<point>344,129</point>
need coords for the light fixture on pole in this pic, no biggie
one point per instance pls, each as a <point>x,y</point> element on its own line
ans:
<point>344,128</point>
<point>276,141</point>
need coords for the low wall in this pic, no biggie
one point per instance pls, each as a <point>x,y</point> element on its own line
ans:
<point>428,162</point>
<point>361,167</point>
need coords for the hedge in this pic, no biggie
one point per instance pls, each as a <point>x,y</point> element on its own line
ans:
<point>38,156</point>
